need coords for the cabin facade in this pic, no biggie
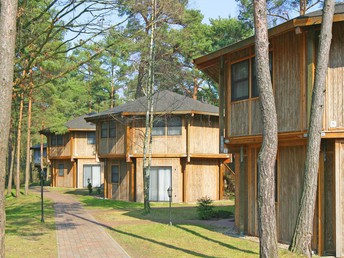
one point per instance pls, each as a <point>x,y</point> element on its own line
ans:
<point>293,47</point>
<point>185,152</point>
<point>72,155</point>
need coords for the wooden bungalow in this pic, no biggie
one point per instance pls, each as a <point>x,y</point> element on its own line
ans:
<point>185,149</point>
<point>72,155</point>
<point>293,48</point>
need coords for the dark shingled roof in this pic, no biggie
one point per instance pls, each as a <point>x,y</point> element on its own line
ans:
<point>79,123</point>
<point>164,102</point>
<point>339,8</point>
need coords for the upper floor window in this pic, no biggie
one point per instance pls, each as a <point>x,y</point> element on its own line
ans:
<point>91,137</point>
<point>174,126</point>
<point>108,129</point>
<point>158,127</point>
<point>241,78</point>
<point>56,140</point>
<point>167,125</point>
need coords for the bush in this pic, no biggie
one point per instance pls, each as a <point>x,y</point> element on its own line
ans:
<point>205,208</point>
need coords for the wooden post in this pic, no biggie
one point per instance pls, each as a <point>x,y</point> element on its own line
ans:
<point>320,205</point>
<point>339,199</point>
<point>221,172</point>
<point>188,133</point>
<point>132,182</point>
<point>221,104</point>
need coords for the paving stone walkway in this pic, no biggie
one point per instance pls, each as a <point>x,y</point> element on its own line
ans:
<point>78,233</point>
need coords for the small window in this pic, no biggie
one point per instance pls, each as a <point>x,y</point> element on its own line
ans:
<point>174,126</point>
<point>240,80</point>
<point>104,130</point>
<point>91,137</point>
<point>61,170</point>
<point>158,127</point>
<point>115,174</point>
<point>56,140</point>
<point>112,129</point>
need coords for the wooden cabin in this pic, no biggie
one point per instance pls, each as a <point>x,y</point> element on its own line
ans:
<point>72,155</point>
<point>185,149</point>
<point>293,48</point>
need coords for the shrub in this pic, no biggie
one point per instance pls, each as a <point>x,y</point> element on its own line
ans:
<point>205,208</point>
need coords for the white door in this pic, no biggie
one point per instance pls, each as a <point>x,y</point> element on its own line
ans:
<point>92,172</point>
<point>160,181</point>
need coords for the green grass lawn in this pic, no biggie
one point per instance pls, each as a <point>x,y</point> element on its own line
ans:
<point>149,235</point>
<point>26,235</point>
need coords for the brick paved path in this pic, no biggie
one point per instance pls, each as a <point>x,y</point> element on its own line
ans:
<point>78,233</point>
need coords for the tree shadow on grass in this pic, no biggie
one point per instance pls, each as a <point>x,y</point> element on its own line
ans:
<point>142,238</point>
<point>168,245</point>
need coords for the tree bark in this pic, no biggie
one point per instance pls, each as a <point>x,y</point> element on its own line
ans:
<point>268,151</point>
<point>19,144</point>
<point>147,160</point>
<point>8,11</point>
<point>28,144</point>
<point>302,237</point>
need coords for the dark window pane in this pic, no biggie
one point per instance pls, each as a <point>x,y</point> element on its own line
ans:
<point>59,140</point>
<point>112,129</point>
<point>53,140</point>
<point>158,127</point>
<point>61,170</point>
<point>91,137</point>
<point>104,130</point>
<point>174,126</point>
<point>240,79</point>
<point>115,174</point>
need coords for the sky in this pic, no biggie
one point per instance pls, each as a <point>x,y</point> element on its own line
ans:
<point>215,8</point>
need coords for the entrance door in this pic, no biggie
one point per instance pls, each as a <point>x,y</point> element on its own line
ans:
<point>160,181</point>
<point>92,172</point>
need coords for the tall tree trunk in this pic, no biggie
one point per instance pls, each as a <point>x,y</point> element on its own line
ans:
<point>28,144</point>
<point>10,172</point>
<point>19,144</point>
<point>268,151</point>
<point>301,241</point>
<point>8,12</point>
<point>195,89</point>
<point>147,149</point>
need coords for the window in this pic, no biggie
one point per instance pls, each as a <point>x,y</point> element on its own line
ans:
<point>56,140</point>
<point>115,174</point>
<point>92,173</point>
<point>112,129</point>
<point>61,169</point>
<point>240,79</point>
<point>170,125</point>
<point>174,126</point>
<point>104,130</point>
<point>158,127</point>
<point>108,129</point>
<point>91,137</point>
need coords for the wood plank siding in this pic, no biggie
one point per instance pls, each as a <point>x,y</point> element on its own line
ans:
<point>334,113</point>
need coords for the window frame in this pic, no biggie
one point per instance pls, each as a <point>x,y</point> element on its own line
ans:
<point>108,129</point>
<point>252,86</point>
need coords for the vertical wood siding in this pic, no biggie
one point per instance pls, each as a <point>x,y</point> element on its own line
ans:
<point>239,117</point>
<point>335,80</point>
<point>287,56</point>
<point>291,160</point>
